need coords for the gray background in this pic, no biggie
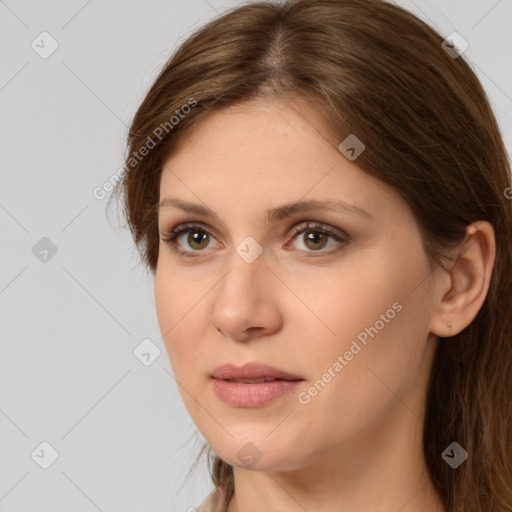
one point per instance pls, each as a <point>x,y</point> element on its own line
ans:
<point>70,323</point>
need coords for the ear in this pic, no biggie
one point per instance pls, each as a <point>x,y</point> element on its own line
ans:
<point>462,289</point>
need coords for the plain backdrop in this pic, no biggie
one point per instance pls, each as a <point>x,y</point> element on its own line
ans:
<point>85,423</point>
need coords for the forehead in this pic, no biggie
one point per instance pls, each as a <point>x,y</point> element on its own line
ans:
<point>266,139</point>
<point>260,155</point>
<point>265,130</point>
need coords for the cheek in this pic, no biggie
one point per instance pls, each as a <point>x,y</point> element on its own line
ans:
<point>373,309</point>
<point>338,303</point>
<point>381,359</point>
<point>180,313</point>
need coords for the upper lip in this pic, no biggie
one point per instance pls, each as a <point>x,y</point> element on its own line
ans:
<point>251,371</point>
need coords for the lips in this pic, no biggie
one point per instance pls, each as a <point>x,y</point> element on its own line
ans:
<point>252,373</point>
<point>253,384</point>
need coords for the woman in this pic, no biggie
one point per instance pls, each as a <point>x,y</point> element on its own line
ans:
<point>321,191</point>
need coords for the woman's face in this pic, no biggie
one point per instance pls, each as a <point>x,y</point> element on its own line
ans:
<point>346,313</point>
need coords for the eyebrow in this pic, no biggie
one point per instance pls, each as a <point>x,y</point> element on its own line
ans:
<point>273,214</point>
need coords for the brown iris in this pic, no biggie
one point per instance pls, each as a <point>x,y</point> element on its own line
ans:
<point>315,238</point>
<point>196,238</point>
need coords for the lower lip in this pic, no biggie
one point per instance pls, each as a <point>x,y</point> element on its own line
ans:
<point>239,394</point>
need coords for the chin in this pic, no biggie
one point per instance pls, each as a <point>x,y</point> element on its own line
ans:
<point>257,452</point>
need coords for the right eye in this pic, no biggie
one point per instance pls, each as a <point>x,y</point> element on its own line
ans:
<point>194,235</point>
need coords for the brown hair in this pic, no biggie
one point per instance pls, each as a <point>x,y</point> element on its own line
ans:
<point>372,69</point>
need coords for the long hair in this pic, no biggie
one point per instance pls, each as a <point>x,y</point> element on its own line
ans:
<point>372,69</point>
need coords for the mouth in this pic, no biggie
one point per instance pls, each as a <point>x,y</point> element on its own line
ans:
<point>253,384</point>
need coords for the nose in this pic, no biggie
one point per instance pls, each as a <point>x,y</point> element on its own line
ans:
<point>246,305</point>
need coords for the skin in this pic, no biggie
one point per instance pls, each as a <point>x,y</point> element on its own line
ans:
<point>356,445</point>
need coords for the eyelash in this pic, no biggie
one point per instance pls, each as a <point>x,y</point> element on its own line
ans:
<point>170,238</point>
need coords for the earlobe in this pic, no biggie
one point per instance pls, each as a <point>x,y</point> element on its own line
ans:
<point>467,283</point>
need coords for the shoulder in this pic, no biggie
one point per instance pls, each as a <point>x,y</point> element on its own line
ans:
<point>213,502</point>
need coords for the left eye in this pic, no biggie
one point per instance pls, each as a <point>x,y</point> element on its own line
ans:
<point>315,237</point>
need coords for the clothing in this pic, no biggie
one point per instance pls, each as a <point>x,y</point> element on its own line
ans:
<point>213,503</point>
